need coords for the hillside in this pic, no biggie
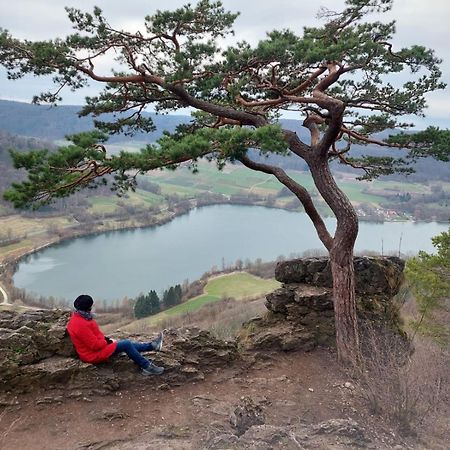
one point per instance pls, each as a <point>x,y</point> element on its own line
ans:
<point>53,123</point>
<point>293,401</point>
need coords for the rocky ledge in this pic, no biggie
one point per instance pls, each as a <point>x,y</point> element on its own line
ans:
<point>35,352</point>
<point>300,313</point>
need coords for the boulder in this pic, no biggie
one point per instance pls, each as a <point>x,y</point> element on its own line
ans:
<point>246,414</point>
<point>305,271</point>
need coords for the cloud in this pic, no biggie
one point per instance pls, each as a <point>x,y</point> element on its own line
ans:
<point>418,22</point>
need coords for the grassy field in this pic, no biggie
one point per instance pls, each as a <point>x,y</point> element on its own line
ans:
<point>7,249</point>
<point>103,205</point>
<point>20,226</point>
<point>395,186</point>
<point>30,230</point>
<point>239,285</point>
<point>237,179</point>
<point>107,205</point>
<point>231,180</point>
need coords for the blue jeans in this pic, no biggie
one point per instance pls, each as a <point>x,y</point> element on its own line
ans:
<point>133,350</point>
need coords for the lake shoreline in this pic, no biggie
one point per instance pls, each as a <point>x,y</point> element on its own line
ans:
<point>10,266</point>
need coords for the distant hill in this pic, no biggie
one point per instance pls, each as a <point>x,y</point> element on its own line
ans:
<point>52,123</point>
<point>10,141</point>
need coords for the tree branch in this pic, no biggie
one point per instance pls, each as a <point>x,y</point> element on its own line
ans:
<point>300,192</point>
<point>305,84</point>
<point>334,106</point>
<point>311,123</point>
<point>361,137</point>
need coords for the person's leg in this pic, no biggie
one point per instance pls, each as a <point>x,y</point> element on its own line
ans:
<point>143,347</point>
<point>133,351</point>
<point>155,345</point>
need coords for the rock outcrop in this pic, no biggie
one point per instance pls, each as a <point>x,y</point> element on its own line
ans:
<point>335,434</point>
<point>35,352</point>
<point>300,313</point>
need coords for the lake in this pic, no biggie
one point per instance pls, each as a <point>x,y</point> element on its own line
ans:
<point>124,263</point>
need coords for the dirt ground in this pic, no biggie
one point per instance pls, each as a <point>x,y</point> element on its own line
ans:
<point>290,388</point>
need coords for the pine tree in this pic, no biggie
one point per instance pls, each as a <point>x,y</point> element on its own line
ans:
<point>178,294</point>
<point>345,78</point>
<point>154,302</point>
<point>142,307</point>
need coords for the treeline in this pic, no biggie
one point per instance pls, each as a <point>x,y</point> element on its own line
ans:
<point>151,304</point>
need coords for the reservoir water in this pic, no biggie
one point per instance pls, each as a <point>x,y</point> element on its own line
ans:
<point>116,264</point>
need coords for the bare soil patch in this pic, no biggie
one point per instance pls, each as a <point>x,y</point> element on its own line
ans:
<point>291,388</point>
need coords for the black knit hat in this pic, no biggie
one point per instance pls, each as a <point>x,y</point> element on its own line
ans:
<point>83,303</point>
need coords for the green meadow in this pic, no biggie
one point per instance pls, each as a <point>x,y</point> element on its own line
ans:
<point>240,286</point>
<point>236,179</point>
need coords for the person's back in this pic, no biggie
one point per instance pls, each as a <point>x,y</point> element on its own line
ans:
<point>88,340</point>
<point>93,347</point>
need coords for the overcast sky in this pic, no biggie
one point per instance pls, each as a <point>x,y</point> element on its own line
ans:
<point>423,22</point>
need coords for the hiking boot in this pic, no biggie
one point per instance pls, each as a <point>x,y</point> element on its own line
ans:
<point>151,369</point>
<point>158,342</point>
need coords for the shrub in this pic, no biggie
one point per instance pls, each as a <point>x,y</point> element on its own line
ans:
<point>405,385</point>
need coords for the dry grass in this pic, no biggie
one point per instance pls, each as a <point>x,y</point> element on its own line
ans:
<point>32,232</point>
<point>223,318</point>
<point>406,383</point>
<point>21,226</point>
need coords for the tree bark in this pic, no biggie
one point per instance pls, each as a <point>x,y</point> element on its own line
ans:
<point>341,260</point>
<point>347,339</point>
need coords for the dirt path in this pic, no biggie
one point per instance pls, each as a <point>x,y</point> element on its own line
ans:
<point>269,178</point>
<point>288,386</point>
<point>293,389</point>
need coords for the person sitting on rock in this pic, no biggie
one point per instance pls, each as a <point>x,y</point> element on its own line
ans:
<point>93,347</point>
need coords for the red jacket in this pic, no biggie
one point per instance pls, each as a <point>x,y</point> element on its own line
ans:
<point>88,340</point>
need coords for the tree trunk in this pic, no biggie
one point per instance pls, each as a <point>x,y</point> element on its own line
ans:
<point>347,341</point>
<point>341,260</point>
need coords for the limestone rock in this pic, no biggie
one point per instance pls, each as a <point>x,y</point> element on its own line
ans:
<point>35,352</point>
<point>314,271</point>
<point>334,434</point>
<point>347,430</point>
<point>373,274</point>
<point>246,415</point>
<point>301,313</point>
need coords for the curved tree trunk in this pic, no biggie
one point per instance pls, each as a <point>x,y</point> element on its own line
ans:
<point>341,259</point>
